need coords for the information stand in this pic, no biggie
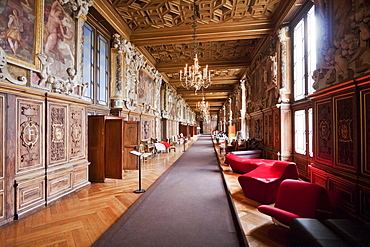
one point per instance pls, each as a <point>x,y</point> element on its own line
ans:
<point>138,154</point>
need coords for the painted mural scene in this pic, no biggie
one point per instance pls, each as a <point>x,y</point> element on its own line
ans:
<point>244,122</point>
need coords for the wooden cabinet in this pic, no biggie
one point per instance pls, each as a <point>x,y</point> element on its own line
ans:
<point>110,141</point>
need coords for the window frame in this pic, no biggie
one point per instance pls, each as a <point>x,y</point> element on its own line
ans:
<point>303,103</point>
<point>99,31</point>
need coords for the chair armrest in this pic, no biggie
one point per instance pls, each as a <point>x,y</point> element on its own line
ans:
<point>281,215</point>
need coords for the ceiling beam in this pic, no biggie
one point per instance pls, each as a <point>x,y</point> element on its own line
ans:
<point>205,33</point>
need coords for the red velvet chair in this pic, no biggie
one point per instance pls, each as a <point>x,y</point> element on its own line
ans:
<point>295,199</point>
<point>262,184</point>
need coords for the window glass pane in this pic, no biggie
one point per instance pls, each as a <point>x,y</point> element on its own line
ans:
<point>311,48</point>
<point>299,61</point>
<point>102,70</point>
<point>88,60</point>
<point>300,132</point>
<point>310,132</point>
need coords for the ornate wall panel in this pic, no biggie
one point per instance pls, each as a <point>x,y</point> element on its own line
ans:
<point>365,116</point>
<point>30,162</point>
<point>276,133</point>
<point>324,127</point>
<point>67,165</point>
<point>77,123</point>
<point>364,201</point>
<point>30,132</point>
<point>59,183</point>
<point>2,162</point>
<point>344,136</point>
<point>31,194</point>
<point>57,143</point>
<point>347,189</point>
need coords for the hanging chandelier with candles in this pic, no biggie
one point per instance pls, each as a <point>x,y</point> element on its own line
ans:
<point>193,76</point>
<point>203,106</point>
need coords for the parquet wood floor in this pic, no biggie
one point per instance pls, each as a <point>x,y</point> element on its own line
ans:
<point>81,218</point>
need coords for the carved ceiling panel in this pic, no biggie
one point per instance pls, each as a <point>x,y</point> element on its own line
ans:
<point>207,51</point>
<point>145,14</point>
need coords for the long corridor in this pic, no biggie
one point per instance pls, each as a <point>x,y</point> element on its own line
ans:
<point>80,219</point>
<point>187,206</point>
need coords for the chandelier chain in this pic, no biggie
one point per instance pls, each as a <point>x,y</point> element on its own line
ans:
<point>193,76</point>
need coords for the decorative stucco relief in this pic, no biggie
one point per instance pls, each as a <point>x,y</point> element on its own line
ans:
<point>4,73</point>
<point>345,55</point>
<point>135,61</point>
<point>284,85</point>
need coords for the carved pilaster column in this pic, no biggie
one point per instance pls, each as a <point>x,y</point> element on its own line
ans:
<point>244,109</point>
<point>284,73</point>
<point>286,131</point>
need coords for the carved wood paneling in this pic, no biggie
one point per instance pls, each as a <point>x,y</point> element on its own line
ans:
<point>344,136</point>
<point>80,176</point>
<point>77,133</point>
<point>30,160</point>
<point>57,124</point>
<point>58,184</point>
<point>365,116</point>
<point>31,194</point>
<point>324,127</point>
<point>31,136</point>
<point>364,201</point>
<point>276,132</point>
<point>2,162</point>
<point>157,14</point>
<point>347,189</point>
<point>67,165</point>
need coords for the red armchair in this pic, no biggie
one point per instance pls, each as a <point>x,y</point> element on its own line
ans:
<point>295,199</point>
<point>262,184</point>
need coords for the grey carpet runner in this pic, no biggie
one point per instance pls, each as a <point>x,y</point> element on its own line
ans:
<point>188,205</point>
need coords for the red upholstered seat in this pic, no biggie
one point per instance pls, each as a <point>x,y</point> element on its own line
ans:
<point>243,165</point>
<point>262,184</point>
<point>295,199</point>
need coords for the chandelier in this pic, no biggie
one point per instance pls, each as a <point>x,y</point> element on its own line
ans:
<point>203,106</point>
<point>193,76</point>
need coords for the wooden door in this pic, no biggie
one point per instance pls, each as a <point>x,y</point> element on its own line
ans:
<point>96,148</point>
<point>114,149</point>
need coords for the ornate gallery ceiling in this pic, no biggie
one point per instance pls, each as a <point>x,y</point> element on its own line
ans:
<point>229,35</point>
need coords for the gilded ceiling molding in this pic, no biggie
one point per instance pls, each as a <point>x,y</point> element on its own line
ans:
<point>4,73</point>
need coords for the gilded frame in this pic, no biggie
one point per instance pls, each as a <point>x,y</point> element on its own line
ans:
<point>145,87</point>
<point>35,64</point>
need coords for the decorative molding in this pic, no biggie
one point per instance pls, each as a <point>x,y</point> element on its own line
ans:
<point>4,73</point>
<point>135,61</point>
<point>79,7</point>
<point>56,84</point>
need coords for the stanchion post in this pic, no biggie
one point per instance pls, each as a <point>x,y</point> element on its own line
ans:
<point>184,144</point>
<point>138,154</point>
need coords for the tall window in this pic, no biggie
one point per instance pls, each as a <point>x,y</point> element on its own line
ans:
<point>303,132</point>
<point>96,65</point>
<point>304,54</point>
<point>304,63</point>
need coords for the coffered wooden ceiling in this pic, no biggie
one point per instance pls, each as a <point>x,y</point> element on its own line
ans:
<point>229,34</point>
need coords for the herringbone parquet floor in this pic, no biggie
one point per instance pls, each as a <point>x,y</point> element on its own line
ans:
<point>81,218</point>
